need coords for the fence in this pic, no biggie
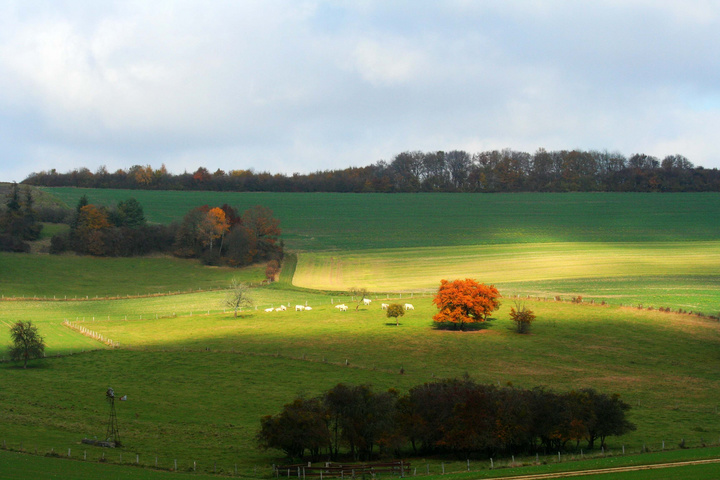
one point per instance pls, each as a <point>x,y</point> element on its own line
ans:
<point>398,468</point>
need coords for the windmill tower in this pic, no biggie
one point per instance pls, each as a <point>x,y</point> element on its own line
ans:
<point>113,434</point>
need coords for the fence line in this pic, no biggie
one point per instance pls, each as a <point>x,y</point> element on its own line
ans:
<point>408,466</point>
<point>91,334</point>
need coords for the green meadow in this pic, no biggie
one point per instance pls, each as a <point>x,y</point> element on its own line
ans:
<point>198,379</point>
<point>349,222</point>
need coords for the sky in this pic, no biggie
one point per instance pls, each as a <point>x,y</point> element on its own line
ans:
<point>301,86</point>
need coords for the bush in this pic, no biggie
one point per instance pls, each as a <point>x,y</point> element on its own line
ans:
<point>522,316</point>
<point>9,243</point>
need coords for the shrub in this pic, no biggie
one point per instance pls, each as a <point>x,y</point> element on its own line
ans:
<point>522,316</point>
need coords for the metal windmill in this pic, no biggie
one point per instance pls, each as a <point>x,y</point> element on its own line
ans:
<point>113,434</point>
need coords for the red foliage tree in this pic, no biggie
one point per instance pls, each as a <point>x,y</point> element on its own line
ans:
<point>465,301</point>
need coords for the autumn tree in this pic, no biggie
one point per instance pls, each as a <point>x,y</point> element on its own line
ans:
<point>522,316</point>
<point>465,301</point>
<point>27,342</point>
<point>215,226</point>
<point>272,270</point>
<point>395,310</point>
<point>265,228</point>
<point>91,226</point>
<point>238,296</point>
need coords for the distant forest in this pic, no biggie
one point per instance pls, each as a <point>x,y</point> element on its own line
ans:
<point>416,171</point>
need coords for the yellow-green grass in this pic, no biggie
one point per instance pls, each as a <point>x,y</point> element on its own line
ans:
<point>548,269</point>
<point>334,221</point>
<point>205,380</point>
<point>71,276</point>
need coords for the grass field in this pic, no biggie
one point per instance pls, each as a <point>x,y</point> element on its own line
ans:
<point>348,222</point>
<point>61,276</point>
<point>172,368</point>
<point>548,269</point>
<point>198,380</point>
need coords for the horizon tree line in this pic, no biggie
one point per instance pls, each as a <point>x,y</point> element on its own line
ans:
<point>435,171</point>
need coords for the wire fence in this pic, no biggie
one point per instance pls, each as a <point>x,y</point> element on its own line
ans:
<point>411,466</point>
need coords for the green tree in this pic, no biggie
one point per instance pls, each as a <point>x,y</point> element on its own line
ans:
<point>27,342</point>
<point>238,296</point>
<point>130,214</point>
<point>395,310</point>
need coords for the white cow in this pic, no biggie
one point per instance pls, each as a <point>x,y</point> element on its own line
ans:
<point>384,306</point>
<point>269,309</point>
<point>281,308</point>
<point>366,301</point>
<point>409,306</point>
<point>299,308</point>
<point>343,308</point>
<point>308,308</point>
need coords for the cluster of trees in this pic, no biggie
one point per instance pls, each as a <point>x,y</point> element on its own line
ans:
<point>18,221</point>
<point>456,416</point>
<point>221,236</point>
<point>416,171</point>
<point>216,235</point>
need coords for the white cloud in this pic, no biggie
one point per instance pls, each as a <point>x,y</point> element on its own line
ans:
<point>288,86</point>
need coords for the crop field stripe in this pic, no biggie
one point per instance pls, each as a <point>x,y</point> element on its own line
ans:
<point>332,221</point>
<point>422,268</point>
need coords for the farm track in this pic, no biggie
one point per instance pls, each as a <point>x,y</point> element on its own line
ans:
<point>603,471</point>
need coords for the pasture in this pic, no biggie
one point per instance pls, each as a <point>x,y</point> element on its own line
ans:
<point>174,367</point>
<point>198,379</point>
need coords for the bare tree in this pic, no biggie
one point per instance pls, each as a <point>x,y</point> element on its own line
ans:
<point>238,296</point>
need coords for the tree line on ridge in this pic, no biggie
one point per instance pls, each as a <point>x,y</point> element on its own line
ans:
<point>416,171</point>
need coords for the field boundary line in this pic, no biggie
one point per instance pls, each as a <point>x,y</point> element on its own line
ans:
<point>601,471</point>
<point>91,334</point>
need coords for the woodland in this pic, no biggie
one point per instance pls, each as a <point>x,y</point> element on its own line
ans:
<point>416,171</point>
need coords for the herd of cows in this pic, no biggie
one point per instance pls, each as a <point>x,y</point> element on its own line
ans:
<point>342,307</point>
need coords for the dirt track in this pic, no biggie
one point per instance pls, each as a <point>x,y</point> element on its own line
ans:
<point>580,473</point>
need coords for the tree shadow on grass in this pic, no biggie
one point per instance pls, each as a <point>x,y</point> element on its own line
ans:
<point>393,324</point>
<point>466,327</point>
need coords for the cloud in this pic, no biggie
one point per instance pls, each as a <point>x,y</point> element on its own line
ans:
<point>298,86</point>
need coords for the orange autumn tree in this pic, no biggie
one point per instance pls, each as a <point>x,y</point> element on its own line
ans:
<point>465,301</point>
<point>215,226</point>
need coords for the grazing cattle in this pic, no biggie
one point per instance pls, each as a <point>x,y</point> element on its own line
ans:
<point>308,308</point>
<point>270,309</point>
<point>409,306</point>
<point>299,308</point>
<point>384,306</point>
<point>343,308</point>
<point>366,301</point>
<point>281,308</point>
